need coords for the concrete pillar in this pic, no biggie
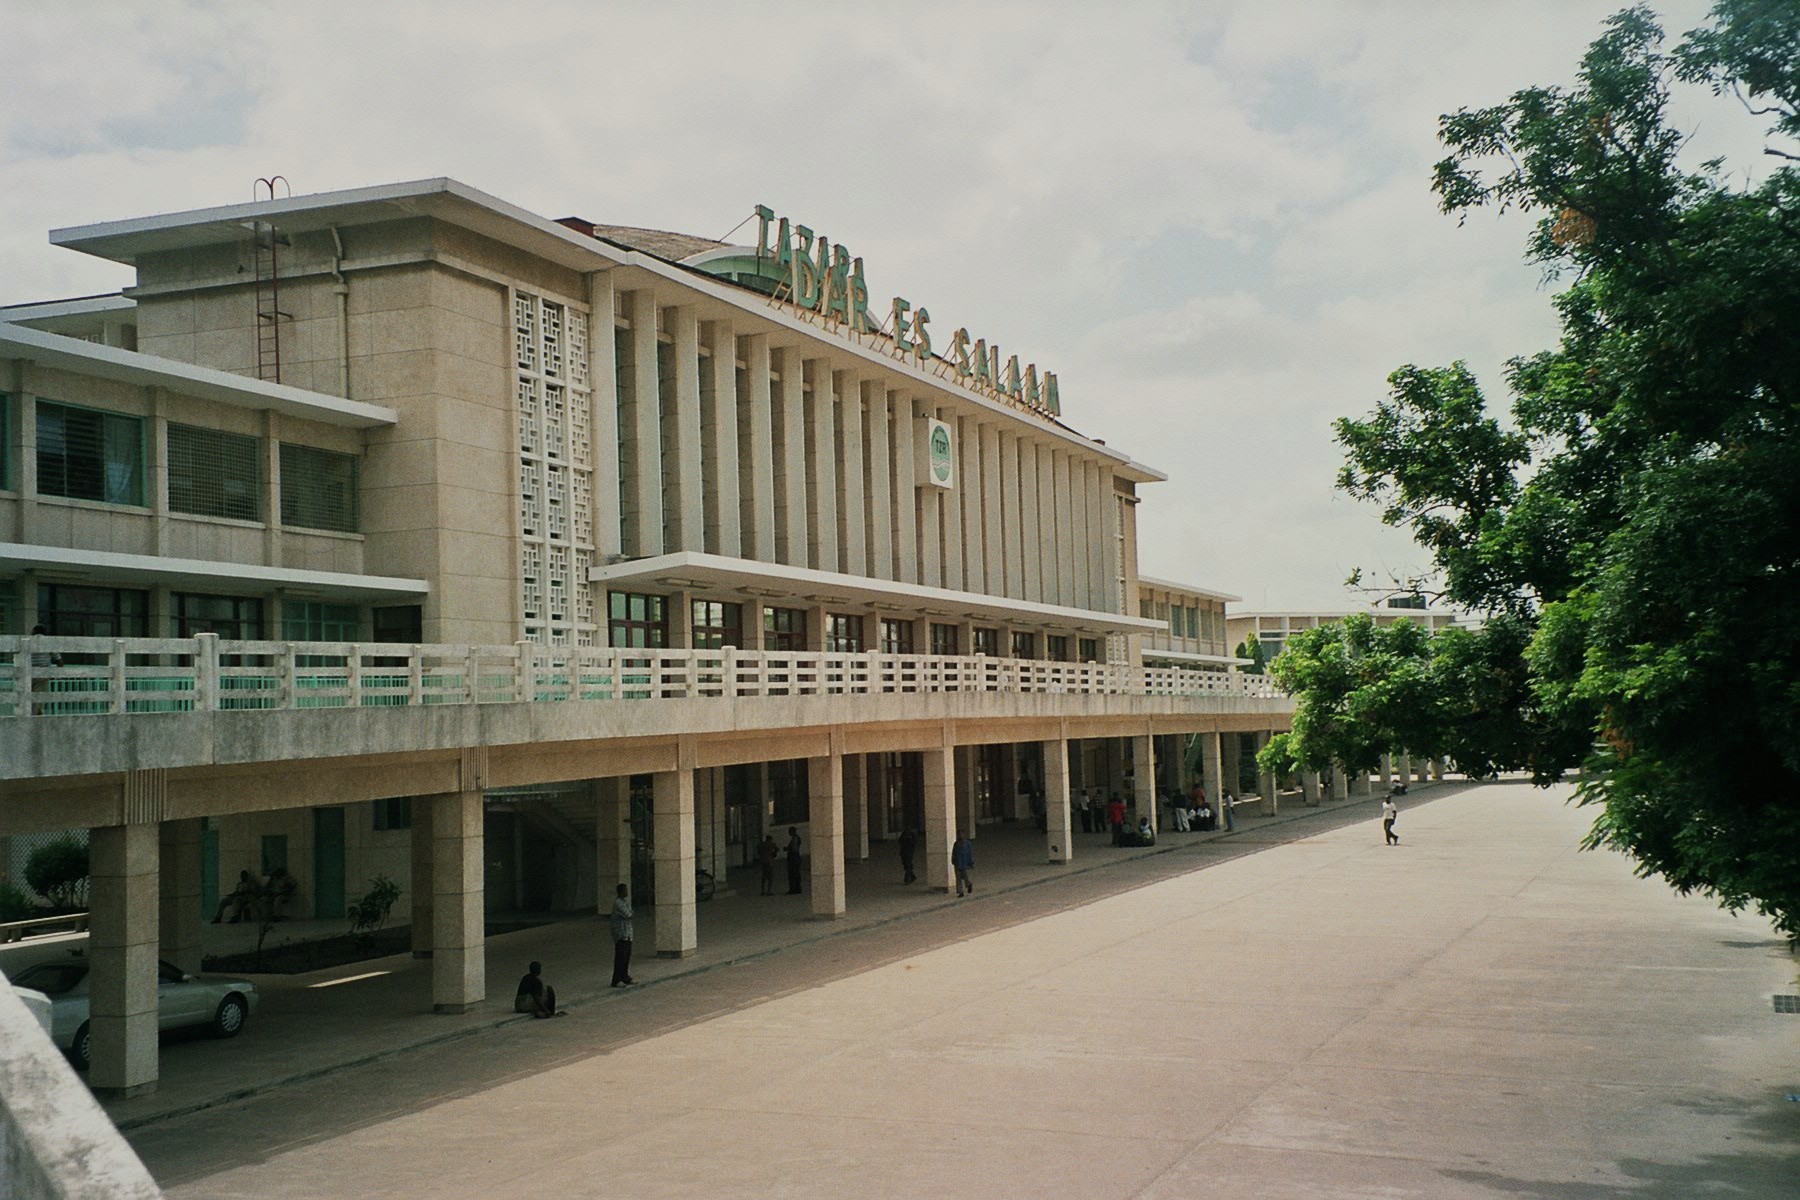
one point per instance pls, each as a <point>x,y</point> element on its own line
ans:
<point>1143,762</point>
<point>603,375</point>
<point>1436,766</point>
<point>458,908</point>
<point>418,891</point>
<point>878,472</point>
<point>965,790</point>
<point>821,469</point>
<point>720,859</point>
<point>672,814</point>
<point>1265,780</point>
<point>968,489</point>
<point>640,435</point>
<point>685,505</point>
<point>1058,831</point>
<point>719,443</point>
<point>756,479</point>
<point>940,816</point>
<point>1387,772</point>
<point>993,541</point>
<point>853,545</point>
<point>825,820</point>
<point>930,503</point>
<point>612,839</point>
<point>1030,510</point>
<point>1212,773</point>
<point>122,953</point>
<point>905,490</point>
<point>1340,782</point>
<point>1309,788</point>
<point>1406,771</point>
<point>179,916</point>
<point>1068,548</point>
<point>790,460</point>
<point>1110,598</point>
<point>1011,549</point>
<point>856,807</point>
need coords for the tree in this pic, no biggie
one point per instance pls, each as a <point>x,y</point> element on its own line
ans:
<point>1255,653</point>
<point>58,871</point>
<point>1633,522</point>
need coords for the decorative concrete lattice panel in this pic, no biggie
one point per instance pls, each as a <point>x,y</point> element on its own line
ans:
<point>1787,1004</point>
<point>556,457</point>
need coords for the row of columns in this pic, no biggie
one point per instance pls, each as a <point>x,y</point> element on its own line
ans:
<point>790,460</point>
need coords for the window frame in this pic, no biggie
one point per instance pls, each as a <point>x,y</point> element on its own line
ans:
<point>105,420</point>
<point>206,475</point>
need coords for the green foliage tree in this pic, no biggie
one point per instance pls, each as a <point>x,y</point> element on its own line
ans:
<point>58,871</point>
<point>1253,651</point>
<point>1632,527</point>
<point>371,911</point>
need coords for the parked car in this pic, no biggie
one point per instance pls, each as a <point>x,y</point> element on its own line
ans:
<point>222,1005</point>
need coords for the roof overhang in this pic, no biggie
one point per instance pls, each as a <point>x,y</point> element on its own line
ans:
<point>693,571</point>
<point>205,383</point>
<point>1165,585</point>
<point>194,572</point>
<point>1225,660</point>
<point>76,306</point>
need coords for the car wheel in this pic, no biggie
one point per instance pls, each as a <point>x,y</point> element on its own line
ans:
<point>230,1017</point>
<point>82,1048</point>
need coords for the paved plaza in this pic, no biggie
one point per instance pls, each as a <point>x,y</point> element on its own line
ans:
<point>1483,1011</point>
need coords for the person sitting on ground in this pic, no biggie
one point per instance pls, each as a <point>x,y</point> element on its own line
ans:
<point>238,901</point>
<point>535,996</point>
<point>1204,814</point>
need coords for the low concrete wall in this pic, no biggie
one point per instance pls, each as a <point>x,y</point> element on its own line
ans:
<point>55,1142</point>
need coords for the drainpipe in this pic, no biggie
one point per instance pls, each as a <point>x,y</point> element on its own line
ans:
<point>343,301</point>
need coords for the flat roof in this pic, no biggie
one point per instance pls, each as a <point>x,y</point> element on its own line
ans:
<point>694,571</point>
<point>1192,589</point>
<point>73,306</point>
<point>196,572</point>
<point>206,383</point>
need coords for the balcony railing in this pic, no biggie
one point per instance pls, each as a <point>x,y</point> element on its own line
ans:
<point>59,676</point>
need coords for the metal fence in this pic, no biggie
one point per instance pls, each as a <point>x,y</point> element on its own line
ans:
<point>44,676</point>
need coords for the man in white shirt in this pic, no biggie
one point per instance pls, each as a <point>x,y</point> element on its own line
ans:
<point>1389,811</point>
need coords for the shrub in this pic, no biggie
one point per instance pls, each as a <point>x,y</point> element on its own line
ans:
<point>15,905</point>
<point>58,871</point>
<point>370,912</point>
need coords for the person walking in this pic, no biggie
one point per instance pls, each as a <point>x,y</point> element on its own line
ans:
<point>766,854</point>
<point>1389,813</point>
<point>620,924</point>
<point>909,846</point>
<point>793,861</point>
<point>962,857</point>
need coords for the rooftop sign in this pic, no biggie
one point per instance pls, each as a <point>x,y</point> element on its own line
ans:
<point>826,279</point>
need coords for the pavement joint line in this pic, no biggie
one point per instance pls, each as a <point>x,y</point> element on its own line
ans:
<point>946,903</point>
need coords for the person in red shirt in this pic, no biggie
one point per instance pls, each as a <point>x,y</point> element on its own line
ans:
<point>1115,817</point>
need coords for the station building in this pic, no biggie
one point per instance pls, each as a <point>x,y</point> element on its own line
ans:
<point>402,531</point>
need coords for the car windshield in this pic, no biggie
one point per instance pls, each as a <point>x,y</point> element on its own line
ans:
<point>52,979</point>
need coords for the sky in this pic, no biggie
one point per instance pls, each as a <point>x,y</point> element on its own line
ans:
<point>1212,220</point>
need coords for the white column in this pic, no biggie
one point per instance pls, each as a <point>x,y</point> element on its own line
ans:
<point>853,545</point>
<point>993,544</point>
<point>1212,772</point>
<point>1012,555</point>
<point>122,951</point>
<point>603,376</point>
<point>790,459</point>
<point>821,468</point>
<point>904,472</point>
<point>1066,515</point>
<point>968,488</point>
<point>672,815</point>
<point>1030,511</point>
<point>756,480</point>
<point>825,822</point>
<point>420,878</point>
<point>1309,788</point>
<point>640,435</point>
<point>940,817</point>
<point>1436,766</point>
<point>931,506</point>
<point>1109,546</point>
<point>1387,772</point>
<point>458,909</point>
<point>719,443</point>
<point>1088,589</point>
<point>687,515</point>
<point>878,469</point>
<point>1143,780</point>
<point>1058,834</point>
<point>1047,517</point>
<point>1340,782</point>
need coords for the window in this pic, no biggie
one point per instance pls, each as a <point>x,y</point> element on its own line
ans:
<point>6,441</point>
<point>234,618</point>
<point>844,633</point>
<point>943,638</point>
<point>1162,610</point>
<point>312,621</point>
<point>717,624</point>
<point>395,813</point>
<point>93,612</point>
<point>318,488</point>
<point>985,641</point>
<point>637,621</point>
<point>1147,609</point>
<point>399,623</point>
<point>85,454</point>
<point>896,636</point>
<point>1088,649</point>
<point>1024,645</point>
<point>1056,647</point>
<point>1176,624</point>
<point>214,474</point>
<point>788,792</point>
<point>1193,622</point>
<point>784,629</point>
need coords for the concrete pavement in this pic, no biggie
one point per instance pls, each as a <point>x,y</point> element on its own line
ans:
<point>1482,1011</point>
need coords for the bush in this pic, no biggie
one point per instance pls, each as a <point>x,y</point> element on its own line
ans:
<point>370,913</point>
<point>58,872</point>
<point>15,905</point>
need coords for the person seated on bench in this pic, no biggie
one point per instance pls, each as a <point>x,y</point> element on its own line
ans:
<point>238,901</point>
<point>278,889</point>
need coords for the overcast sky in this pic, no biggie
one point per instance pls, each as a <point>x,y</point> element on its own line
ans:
<point>1212,220</point>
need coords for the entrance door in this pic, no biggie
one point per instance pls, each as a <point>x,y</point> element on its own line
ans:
<point>328,862</point>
